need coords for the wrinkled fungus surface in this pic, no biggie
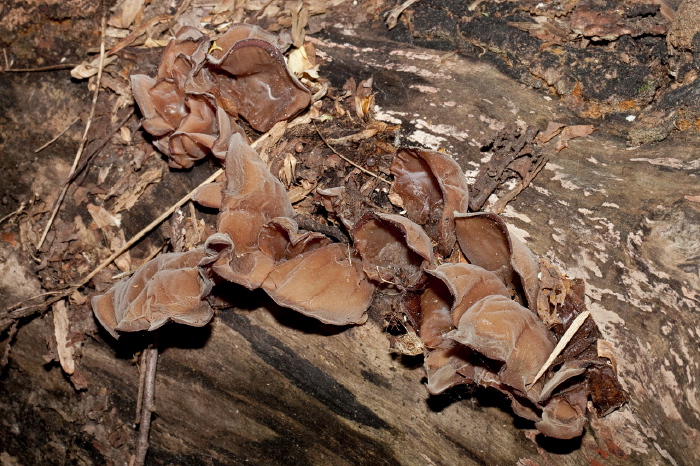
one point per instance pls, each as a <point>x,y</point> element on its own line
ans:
<point>487,310</point>
<point>167,288</point>
<point>201,89</point>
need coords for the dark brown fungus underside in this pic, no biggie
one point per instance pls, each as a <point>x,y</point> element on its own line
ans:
<point>432,188</point>
<point>392,248</point>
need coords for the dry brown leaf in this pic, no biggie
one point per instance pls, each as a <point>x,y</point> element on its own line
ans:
<point>64,348</point>
<point>553,128</point>
<point>300,18</point>
<point>130,196</point>
<point>302,62</point>
<point>103,218</point>
<point>572,132</point>
<point>298,193</point>
<point>125,12</point>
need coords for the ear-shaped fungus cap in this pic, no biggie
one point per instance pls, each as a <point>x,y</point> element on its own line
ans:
<point>565,415</point>
<point>177,110</point>
<point>325,283</point>
<point>442,366</point>
<point>167,288</point>
<point>253,80</point>
<point>251,198</point>
<point>485,241</point>
<point>503,330</point>
<point>280,239</point>
<point>451,291</point>
<point>392,248</point>
<point>432,187</point>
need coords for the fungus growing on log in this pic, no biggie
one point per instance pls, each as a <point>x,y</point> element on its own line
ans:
<point>252,78</point>
<point>392,248</point>
<point>432,188</point>
<point>470,290</point>
<point>485,241</point>
<point>167,288</point>
<point>196,96</point>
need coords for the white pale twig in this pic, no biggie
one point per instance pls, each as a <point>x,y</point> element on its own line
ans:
<point>565,339</point>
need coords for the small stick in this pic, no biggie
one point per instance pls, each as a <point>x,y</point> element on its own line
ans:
<point>501,203</point>
<point>62,66</point>
<point>310,224</point>
<point>565,339</point>
<point>19,210</point>
<point>59,200</point>
<point>142,381</point>
<point>148,404</point>
<point>55,138</point>
<point>153,224</point>
<point>347,159</point>
<point>394,14</point>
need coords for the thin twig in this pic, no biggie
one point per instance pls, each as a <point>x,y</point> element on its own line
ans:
<point>154,224</point>
<point>128,40</point>
<point>310,224</point>
<point>40,295</point>
<point>262,10</point>
<point>148,403</point>
<point>142,383</point>
<point>59,200</point>
<point>149,227</point>
<point>565,339</point>
<point>359,167</point>
<point>8,317</point>
<point>36,151</point>
<point>501,203</point>
<point>62,66</point>
<point>18,211</point>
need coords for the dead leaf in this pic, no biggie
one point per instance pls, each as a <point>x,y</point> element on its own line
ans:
<point>129,197</point>
<point>553,128</point>
<point>571,132</point>
<point>300,18</point>
<point>65,350</point>
<point>302,63</point>
<point>125,12</point>
<point>102,218</point>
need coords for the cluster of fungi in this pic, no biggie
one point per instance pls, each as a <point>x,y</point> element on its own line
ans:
<point>487,311</point>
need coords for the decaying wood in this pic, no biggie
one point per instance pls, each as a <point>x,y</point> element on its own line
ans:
<point>266,385</point>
